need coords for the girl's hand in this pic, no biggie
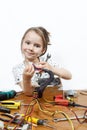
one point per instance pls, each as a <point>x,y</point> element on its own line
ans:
<point>45,65</point>
<point>28,72</point>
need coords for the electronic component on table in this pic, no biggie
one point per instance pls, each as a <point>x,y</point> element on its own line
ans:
<point>71,93</point>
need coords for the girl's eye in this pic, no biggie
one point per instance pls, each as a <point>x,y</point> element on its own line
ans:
<point>27,42</point>
<point>36,45</point>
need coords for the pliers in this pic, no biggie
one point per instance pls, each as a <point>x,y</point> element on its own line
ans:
<point>13,119</point>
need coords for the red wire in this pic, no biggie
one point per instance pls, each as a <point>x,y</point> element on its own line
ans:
<point>81,122</point>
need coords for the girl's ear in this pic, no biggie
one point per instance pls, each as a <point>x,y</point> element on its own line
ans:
<point>44,50</point>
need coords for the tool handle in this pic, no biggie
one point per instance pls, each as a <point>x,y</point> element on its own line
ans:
<point>34,120</point>
<point>10,104</point>
<point>7,95</point>
<point>4,109</point>
<point>63,102</point>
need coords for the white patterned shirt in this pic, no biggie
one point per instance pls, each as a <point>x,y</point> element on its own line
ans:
<point>18,72</point>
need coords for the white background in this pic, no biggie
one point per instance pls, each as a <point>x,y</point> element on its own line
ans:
<point>66,20</point>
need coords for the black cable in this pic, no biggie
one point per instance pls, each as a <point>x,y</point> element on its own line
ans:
<point>44,84</point>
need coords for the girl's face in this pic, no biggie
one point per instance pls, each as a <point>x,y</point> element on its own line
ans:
<point>32,46</point>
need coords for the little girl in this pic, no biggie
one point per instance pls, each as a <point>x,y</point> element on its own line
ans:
<point>34,44</point>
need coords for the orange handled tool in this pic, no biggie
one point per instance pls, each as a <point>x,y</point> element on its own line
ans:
<point>62,102</point>
<point>65,102</point>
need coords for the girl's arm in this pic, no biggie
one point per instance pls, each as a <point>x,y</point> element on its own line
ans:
<point>26,83</point>
<point>61,72</point>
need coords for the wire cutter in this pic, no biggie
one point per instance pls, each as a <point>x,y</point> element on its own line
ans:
<point>13,118</point>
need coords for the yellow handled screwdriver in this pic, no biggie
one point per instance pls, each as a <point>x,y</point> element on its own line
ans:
<point>10,104</point>
<point>38,121</point>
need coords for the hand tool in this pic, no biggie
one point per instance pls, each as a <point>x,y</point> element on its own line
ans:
<point>4,109</point>
<point>48,57</point>
<point>10,104</point>
<point>7,95</point>
<point>37,121</point>
<point>48,125</point>
<point>14,118</point>
<point>33,119</point>
<point>65,102</point>
<point>71,118</point>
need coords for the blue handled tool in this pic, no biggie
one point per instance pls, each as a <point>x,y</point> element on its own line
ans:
<point>7,95</point>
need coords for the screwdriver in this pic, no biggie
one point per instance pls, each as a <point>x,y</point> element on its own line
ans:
<point>4,109</point>
<point>10,104</point>
<point>65,102</point>
<point>38,121</point>
<point>71,118</point>
<point>7,95</point>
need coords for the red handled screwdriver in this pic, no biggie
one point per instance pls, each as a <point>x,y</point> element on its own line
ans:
<point>65,102</point>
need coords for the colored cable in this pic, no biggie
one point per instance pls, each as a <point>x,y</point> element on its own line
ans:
<point>45,111</point>
<point>70,121</point>
<point>85,117</point>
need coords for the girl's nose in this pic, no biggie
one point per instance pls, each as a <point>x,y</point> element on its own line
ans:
<point>31,47</point>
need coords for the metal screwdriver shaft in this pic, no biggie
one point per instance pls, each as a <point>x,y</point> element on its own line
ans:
<point>65,119</point>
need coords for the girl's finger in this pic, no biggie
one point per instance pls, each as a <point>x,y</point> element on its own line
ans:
<point>42,62</point>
